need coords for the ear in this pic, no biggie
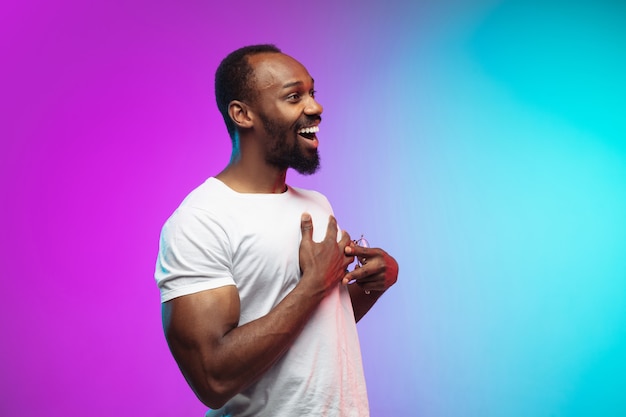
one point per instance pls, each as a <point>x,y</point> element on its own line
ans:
<point>240,114</point>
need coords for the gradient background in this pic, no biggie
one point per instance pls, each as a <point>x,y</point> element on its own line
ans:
<point>482,143</point>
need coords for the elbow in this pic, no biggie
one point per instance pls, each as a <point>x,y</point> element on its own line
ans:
<point>214,393</point>
<point>213,401</point>
<point>211,385</point>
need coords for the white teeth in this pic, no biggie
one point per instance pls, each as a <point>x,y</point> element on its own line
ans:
<point>313,129</point>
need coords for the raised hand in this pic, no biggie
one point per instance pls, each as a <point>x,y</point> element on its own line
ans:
<point>323,264</point>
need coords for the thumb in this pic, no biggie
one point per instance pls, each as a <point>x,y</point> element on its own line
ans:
<point>306,226</point>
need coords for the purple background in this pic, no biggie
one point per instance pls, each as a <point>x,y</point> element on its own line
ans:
<point>481,143</point>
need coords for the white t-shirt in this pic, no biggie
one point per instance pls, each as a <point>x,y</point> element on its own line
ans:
<point>220,237</point>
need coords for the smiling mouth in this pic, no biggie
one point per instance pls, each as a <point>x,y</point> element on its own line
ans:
<point>309,132</point>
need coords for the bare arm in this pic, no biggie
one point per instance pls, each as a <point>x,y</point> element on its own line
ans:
<point>378,273</point>
<point>218,357</point>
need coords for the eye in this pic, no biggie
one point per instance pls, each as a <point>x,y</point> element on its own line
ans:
<point>293,97</point>
<point>313,93</point>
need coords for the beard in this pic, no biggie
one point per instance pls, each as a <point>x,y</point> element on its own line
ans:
<point>283,155</point>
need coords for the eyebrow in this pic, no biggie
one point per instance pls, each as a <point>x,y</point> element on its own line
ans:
<point>295,83</point>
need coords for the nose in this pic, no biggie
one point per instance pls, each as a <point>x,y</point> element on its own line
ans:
<point>313,107</point>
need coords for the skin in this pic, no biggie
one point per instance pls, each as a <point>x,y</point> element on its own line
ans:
<point>218,357</point>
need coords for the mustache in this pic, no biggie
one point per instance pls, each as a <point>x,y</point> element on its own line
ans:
<point>308,121</point>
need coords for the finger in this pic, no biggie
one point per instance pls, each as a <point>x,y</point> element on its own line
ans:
<point>306,226</point>
<point>359,251</point>
<point>331,229</point>
<point>373,276</point>
<point>367,272</point>
<point>346,278</point>
<point>343,243</point>
<point>374,281</point>
<point>349,277</point>
<point>345,239</point>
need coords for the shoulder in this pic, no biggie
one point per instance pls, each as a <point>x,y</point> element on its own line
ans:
<point>204,207</point>
<point>303,193</point>
<point>208,195</point>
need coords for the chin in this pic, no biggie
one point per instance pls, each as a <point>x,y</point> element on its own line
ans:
<point>307,170</point>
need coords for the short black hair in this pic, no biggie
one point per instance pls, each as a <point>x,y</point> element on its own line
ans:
<point>233,79</point>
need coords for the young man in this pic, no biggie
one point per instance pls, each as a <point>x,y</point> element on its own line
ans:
<point>259,309</point>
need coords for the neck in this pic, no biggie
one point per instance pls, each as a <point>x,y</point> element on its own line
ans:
<point>253,178</point>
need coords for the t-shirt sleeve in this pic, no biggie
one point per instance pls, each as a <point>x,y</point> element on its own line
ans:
<point>194,255</point>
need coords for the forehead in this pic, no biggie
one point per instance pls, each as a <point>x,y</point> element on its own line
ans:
<point>275,70</point>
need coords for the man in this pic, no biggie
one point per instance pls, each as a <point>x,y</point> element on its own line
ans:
<point>259,309</point>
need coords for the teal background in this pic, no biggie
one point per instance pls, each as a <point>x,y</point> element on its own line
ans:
<point>481,143</point>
